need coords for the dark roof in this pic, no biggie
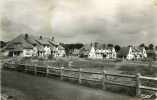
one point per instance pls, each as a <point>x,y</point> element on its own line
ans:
<point>21,42</point>
<point>150,51</point>
<point>54,43</point>
<point>42,41</point>
<point>123,51</point>
<point>60,47</point>
<point>85,49</point>
<point>18,43</point>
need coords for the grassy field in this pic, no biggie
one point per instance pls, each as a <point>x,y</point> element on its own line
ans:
<point>95,65</point>
<point>27,87</point>
<point>86,64</point>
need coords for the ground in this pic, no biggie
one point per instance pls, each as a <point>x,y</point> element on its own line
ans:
<point>98,65</point>
<point>28,87</point>
<point>23,86</point>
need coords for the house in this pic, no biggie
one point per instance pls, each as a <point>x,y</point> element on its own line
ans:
<point>60,51</point>
<point>151,53</point>
<point>19,47</point>
<point>92,53</point>
<point>132,53</point>
<point>76,52</point>
<point>28,45</point>
<point>85,50</point>
<point>156,54</point>
<point>98,52</point>
<point>105,52</point>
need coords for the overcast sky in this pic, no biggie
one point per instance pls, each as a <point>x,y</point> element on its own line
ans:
<point>110,21</point>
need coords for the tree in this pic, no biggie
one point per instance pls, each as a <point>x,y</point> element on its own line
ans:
<point>96,44</point>
<point>146,48</point>
<point>151,46</point>
<point>104,46</point>
<point>117,48</point>
<point>2,44</point>
<point>142,45</point>
<point>156,48</point>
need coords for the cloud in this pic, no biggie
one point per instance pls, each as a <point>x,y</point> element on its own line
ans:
<point>116,21</point>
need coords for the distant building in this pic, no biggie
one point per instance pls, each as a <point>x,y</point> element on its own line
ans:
<point>59,51</point>
<point>76,52</point>
<point>98,52</point>
<point>133,53</point>
<point>152,54</point>
<point>85,50</point>
<point>28,45</point>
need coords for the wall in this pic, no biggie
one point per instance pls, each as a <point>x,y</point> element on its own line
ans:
<point>27,52</point>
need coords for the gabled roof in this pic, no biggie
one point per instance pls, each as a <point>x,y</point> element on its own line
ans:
<point>42,41</point>
<point>60,47</point>
<point>137,49</point>
<point>29,42</point>
<point>18,43</point>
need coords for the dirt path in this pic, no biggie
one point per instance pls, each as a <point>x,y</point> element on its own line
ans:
<point>42,88</point>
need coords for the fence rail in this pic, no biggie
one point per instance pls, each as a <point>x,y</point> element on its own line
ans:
<point>103,77</point>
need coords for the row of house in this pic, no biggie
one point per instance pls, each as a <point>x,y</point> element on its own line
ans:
<point>99,52</point>
<point>27,45</point>
<point>133,53</point>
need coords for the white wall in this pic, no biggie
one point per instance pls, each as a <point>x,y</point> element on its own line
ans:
<point>27,52</point>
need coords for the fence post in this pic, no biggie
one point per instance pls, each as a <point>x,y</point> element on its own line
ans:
<point>80,76</point>
<point>61,73</point>
<point>104,78</point>
<point>35,70</point>
<point>138,84</point>
<point>25,68</point>
<point>47,70</point>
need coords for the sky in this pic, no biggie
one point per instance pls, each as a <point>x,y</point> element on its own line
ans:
<point>124,22</point>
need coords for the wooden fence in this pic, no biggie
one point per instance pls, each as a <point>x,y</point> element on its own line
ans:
<point>104,78</point>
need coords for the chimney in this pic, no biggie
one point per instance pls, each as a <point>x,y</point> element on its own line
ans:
<point>52,38</point>
<point>41,37</point>
<point>26,36</point>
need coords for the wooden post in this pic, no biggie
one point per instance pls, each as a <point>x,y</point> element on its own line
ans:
<point>104,79</point>
<point>79,76</point>
<point>25,68</point>
<point>138,84</point>
<point>61,73</point>
<point>47,70</point>
<point>35,70</point>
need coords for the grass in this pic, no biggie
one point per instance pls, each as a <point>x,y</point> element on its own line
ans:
<point>42,88</point>
<point>99,65</point>
<point>143,70</point>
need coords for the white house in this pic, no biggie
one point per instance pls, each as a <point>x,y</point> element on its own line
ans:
<point>133,53</point>
<point>92,53</point>
<point>28,45</point>
<point>27,52</point>
<point>59,51</point>
<point>99,52</point>
<point>136,53</point>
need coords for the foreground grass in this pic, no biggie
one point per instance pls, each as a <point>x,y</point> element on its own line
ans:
<point>41,88</point>
<point>95,65</point>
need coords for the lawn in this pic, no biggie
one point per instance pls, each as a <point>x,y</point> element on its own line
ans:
<point>95,65</point>
<point>27,87</point>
